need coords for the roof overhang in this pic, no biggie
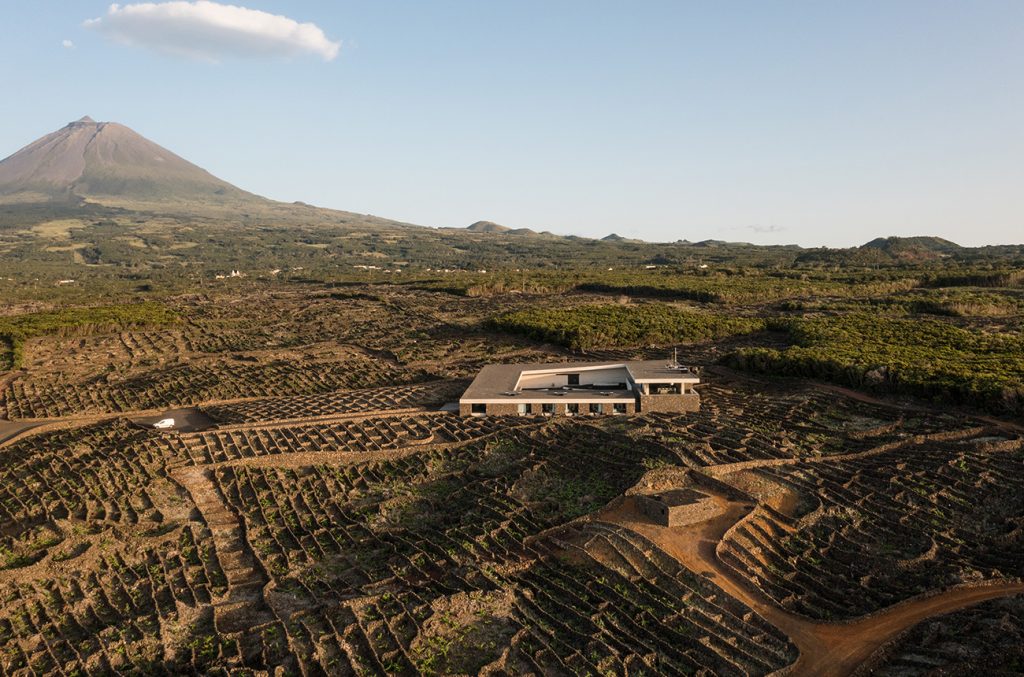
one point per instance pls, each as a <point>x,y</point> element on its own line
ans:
<point>690,378</point>
<point>548,399</point>
<point>570,370</point>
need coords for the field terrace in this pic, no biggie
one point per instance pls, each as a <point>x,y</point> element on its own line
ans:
<point>876,530</point>
<point>744,421</point>
<point>237,348</point>
<point>334,521</point>
<point>986,638</point>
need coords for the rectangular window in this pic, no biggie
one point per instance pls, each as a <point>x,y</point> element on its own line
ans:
<point>523,409</point>
<point>574,379</point>
<point>596,408</point>
<point>478,408</point>
<point>547,409</point>
<point>619,408</point>
<point>572,408</point>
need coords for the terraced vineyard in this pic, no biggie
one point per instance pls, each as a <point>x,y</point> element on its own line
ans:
<point>772,423</point>
<point>334,519</point>
<point>350,436</point>
<point>337,403</point>
<point>102,474</point>
<point>987,638</point>
<point>887,527</point>
<point>52,396</point>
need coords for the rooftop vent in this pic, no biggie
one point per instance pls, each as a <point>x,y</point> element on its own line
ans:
<point>509,393</point>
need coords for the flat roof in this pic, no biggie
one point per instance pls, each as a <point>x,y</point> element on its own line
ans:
<point>498,382</point>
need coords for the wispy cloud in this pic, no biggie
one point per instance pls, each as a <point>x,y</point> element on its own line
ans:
<point>212,31</point>
<point>766,229</point>
<point>67,44</point>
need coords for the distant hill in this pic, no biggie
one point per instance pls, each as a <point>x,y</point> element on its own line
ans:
<point>99,194</point>
<point>910,249</point>
<point>89,159</point>
<point>491,227</point>
<point>615,237</point>
<point>487,227</point>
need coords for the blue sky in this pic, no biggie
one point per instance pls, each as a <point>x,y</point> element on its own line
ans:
<point>817,122</point>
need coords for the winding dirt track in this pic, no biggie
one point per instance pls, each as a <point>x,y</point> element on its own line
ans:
<point>833,649</point>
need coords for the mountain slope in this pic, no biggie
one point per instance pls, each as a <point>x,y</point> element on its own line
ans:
<point>88,159</point>
<point>920,248</point>
<point>486,227</point>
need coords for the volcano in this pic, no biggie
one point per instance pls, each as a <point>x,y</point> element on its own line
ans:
<point>88,159</point>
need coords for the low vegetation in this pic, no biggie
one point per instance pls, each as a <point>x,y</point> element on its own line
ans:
<point>926,358</point>
<point>425,543</point>
<point>617,326</point>
<point>16,329</point>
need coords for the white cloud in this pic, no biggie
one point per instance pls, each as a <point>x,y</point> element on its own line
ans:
<point>67,44</point>
<point>766,229</point>
<point>209,30</point>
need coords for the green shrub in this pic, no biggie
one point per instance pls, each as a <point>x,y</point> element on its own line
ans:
<point>926,358</point>
<point>619,326</point>
<point>16,329</point>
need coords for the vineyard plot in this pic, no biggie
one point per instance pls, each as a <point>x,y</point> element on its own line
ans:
<point>888,527</point>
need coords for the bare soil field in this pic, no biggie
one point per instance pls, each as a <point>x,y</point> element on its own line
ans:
<point>316,513</point>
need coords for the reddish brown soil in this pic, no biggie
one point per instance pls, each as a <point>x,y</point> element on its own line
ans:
<point>833,649</point>
<point>11,429</point>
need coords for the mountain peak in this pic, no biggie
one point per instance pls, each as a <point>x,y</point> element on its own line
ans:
<point>89,159</point>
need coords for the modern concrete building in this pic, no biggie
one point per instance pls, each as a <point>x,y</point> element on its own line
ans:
<point>580,389</point>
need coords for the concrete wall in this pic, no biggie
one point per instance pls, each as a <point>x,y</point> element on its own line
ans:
<point>512,409</point>
<point>587,377</point>
<point>670,403</point>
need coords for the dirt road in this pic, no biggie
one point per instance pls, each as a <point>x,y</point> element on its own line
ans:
<point>11,429</point>
<point>833,649</point>
<point>188,420</point>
